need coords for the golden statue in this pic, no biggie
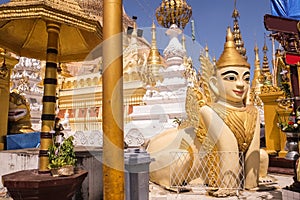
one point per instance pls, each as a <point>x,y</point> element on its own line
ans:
<point>219,132</point>
<point>18,114</point>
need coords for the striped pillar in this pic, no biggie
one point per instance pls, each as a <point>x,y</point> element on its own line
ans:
<point>49,98</point>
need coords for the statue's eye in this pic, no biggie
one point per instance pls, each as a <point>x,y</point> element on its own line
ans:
<point>230,78</point>
<point>247,78</point>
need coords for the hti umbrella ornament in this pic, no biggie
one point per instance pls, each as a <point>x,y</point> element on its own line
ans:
<point>51,30</point>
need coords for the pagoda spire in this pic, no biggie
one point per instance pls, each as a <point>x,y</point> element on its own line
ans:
<point>183,42</point>
<point>239,43</point>
<point>154,61</point>
<point>154,56</point>
<point>257,70</point>
<point>265,66</point>
<point>206,50</point>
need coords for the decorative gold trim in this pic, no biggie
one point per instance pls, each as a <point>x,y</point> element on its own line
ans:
<point>241,122</point>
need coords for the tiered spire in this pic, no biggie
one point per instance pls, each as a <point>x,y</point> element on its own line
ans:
<point>239,43</point>
<point>257,71</point>
<point>206,50</point>
<point>154,56</point>
<point>154,61</point>
<point>265,66</point>
<point>183,42</point>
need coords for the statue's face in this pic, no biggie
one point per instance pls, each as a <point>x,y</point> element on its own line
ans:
<point>232,83</point>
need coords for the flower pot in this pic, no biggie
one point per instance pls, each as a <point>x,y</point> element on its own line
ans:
<point>66,170</point>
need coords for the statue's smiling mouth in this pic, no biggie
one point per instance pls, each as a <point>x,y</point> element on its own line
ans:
<point>239,92</point>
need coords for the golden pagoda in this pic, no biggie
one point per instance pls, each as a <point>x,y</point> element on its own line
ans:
<point>257,70</point>
<point>80,96</point>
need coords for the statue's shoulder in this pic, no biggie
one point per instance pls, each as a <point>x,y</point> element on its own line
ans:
<point>207,113</point>
<point>206,109</point>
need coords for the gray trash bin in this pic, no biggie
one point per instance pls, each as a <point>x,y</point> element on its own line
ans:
<point>137,163</point>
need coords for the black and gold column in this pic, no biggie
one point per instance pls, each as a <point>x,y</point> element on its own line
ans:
<point>49,98</point>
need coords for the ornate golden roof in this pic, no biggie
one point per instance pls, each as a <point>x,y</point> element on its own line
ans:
<point>230,56</point>
<point>92,7</point>
<point>23,28</point>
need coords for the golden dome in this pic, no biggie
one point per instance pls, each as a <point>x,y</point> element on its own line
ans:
<point>230,56</point>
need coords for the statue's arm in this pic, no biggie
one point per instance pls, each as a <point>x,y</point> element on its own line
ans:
<point>252,158</point>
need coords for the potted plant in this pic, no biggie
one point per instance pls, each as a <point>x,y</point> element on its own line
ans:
<point>291,128</point>
<point>62,157</point>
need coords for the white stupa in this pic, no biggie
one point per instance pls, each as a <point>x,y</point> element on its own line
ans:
<point>165,90</point>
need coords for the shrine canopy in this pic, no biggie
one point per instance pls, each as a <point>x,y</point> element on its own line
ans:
<point>286,8</point>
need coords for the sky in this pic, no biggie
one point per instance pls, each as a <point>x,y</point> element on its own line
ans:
<point>211,17</point>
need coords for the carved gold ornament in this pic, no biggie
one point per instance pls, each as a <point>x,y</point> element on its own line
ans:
<point>173,12</point>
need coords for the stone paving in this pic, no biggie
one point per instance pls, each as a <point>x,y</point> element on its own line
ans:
<point>271,191</point>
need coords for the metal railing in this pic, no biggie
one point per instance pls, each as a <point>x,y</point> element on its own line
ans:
<point>203,171</point>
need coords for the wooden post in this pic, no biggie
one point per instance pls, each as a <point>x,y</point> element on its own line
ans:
<point>112,115</point>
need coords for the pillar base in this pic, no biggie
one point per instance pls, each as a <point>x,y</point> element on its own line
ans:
<point>282,154</point>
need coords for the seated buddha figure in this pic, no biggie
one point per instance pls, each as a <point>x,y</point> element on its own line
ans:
<point>228,126</point>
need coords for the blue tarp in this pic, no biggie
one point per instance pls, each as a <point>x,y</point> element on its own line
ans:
<point>22,141</point>
<point>286,8</point>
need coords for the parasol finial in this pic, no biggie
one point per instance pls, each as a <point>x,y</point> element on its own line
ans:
<point>173,12</point>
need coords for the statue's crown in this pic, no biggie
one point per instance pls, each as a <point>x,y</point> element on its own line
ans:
<point>230,56</point>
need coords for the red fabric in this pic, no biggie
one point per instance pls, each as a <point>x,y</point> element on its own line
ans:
<point>292,59</point>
